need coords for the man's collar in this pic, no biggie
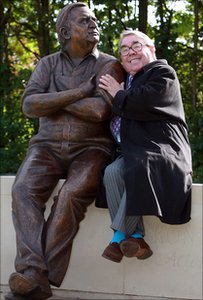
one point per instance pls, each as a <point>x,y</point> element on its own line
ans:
<point>155,62</point>
<point>149,66</point>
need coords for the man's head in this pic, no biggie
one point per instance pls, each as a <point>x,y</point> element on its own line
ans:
<point>77,23</point>
<point>136,50</point>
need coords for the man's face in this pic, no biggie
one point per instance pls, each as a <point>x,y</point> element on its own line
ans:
<point>134,60</point>
<point>83,26</point>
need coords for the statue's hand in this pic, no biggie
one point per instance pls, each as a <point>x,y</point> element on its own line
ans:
<point>88,86</point>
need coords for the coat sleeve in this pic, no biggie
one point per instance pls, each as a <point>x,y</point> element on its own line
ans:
<point>153,94</point>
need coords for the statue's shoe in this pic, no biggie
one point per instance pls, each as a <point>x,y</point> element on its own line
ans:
<point>11,296</point>
<point>31,284</point>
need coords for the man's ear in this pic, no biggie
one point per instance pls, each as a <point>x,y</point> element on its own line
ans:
<point>153,50</point>
<point>65,32</point>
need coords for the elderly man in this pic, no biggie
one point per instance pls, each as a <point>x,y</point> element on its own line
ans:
<point>152,176</point>
<point>73,142</point>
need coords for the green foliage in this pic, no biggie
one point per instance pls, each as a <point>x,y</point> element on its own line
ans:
<point>16,130</point>
<point>22,42</point>
<point>195,121</point>
<point>113,17</point>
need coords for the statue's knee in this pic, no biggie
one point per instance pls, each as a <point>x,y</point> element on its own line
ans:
<point>18,189</point>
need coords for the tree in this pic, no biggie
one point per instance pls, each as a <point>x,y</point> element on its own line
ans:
<point>28,33</point>
<point>15,128</point>
<point>143,5</point>
<point>195,56</point>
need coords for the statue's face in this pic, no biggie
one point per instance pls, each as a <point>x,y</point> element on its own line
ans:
<point>83,25</point>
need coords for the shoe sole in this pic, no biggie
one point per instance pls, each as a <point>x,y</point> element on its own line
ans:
<point>129,249</point>
<point>38,294</point>
<point>21,285</point>
<point>132,249</point>
<point>147,254</point>
<point>111,258</point>
<point>11,296</point>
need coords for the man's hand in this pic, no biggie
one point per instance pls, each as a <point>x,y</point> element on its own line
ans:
<point>108,83</point>
<point>88,86</point>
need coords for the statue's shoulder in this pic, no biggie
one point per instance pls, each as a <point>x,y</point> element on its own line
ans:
<point>106,60</point>
<point>51,60</point>
<point>107,57</point>
<point>110,64</point>
<point>51,57</point>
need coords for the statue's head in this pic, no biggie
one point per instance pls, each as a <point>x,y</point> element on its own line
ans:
<point>77,22</point>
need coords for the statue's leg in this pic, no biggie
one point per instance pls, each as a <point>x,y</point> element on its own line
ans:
<point>69,209</point>
<point>32,188</point>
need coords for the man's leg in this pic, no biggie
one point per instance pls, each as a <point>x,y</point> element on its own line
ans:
<point>77,193</point>
<point>116,199</point>
<point>128,230</point>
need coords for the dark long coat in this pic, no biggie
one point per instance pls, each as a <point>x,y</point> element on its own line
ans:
<point>155,145</point>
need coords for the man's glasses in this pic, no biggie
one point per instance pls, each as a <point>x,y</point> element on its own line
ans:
<point>136,47</point>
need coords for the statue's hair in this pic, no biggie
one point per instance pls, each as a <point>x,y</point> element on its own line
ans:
<point>62,18</point>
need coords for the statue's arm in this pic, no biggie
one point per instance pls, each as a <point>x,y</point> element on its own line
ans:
<point>43,104</point>
<point>97,107</point>
<point>37,102</point>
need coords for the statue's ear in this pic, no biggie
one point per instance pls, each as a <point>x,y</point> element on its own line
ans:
<point>65,33</point>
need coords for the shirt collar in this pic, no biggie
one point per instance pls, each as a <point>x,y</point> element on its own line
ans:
<point>95,53</point>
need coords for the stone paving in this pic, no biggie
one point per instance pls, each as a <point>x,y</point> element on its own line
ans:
<point>98,296</point>
<point>59,294</point>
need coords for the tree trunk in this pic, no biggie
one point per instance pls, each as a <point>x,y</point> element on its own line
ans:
<point>194,55</point>
<point>4,19</point>
<point>165,16</point>
<point>143,5</point>
<point>43,38</point>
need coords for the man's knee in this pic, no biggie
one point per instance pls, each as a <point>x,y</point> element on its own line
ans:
<point>113,171</point>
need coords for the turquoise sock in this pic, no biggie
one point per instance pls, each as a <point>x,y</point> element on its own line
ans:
<point>118,237</point>
<point>137,235</point>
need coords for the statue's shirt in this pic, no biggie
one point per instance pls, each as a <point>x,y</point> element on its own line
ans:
<point>55,73</point>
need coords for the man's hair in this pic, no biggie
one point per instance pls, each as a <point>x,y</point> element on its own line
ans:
<point>62,19</point>
<point>137,33</point>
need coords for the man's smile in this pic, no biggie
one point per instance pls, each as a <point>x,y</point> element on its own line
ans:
<point>134,60</point>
